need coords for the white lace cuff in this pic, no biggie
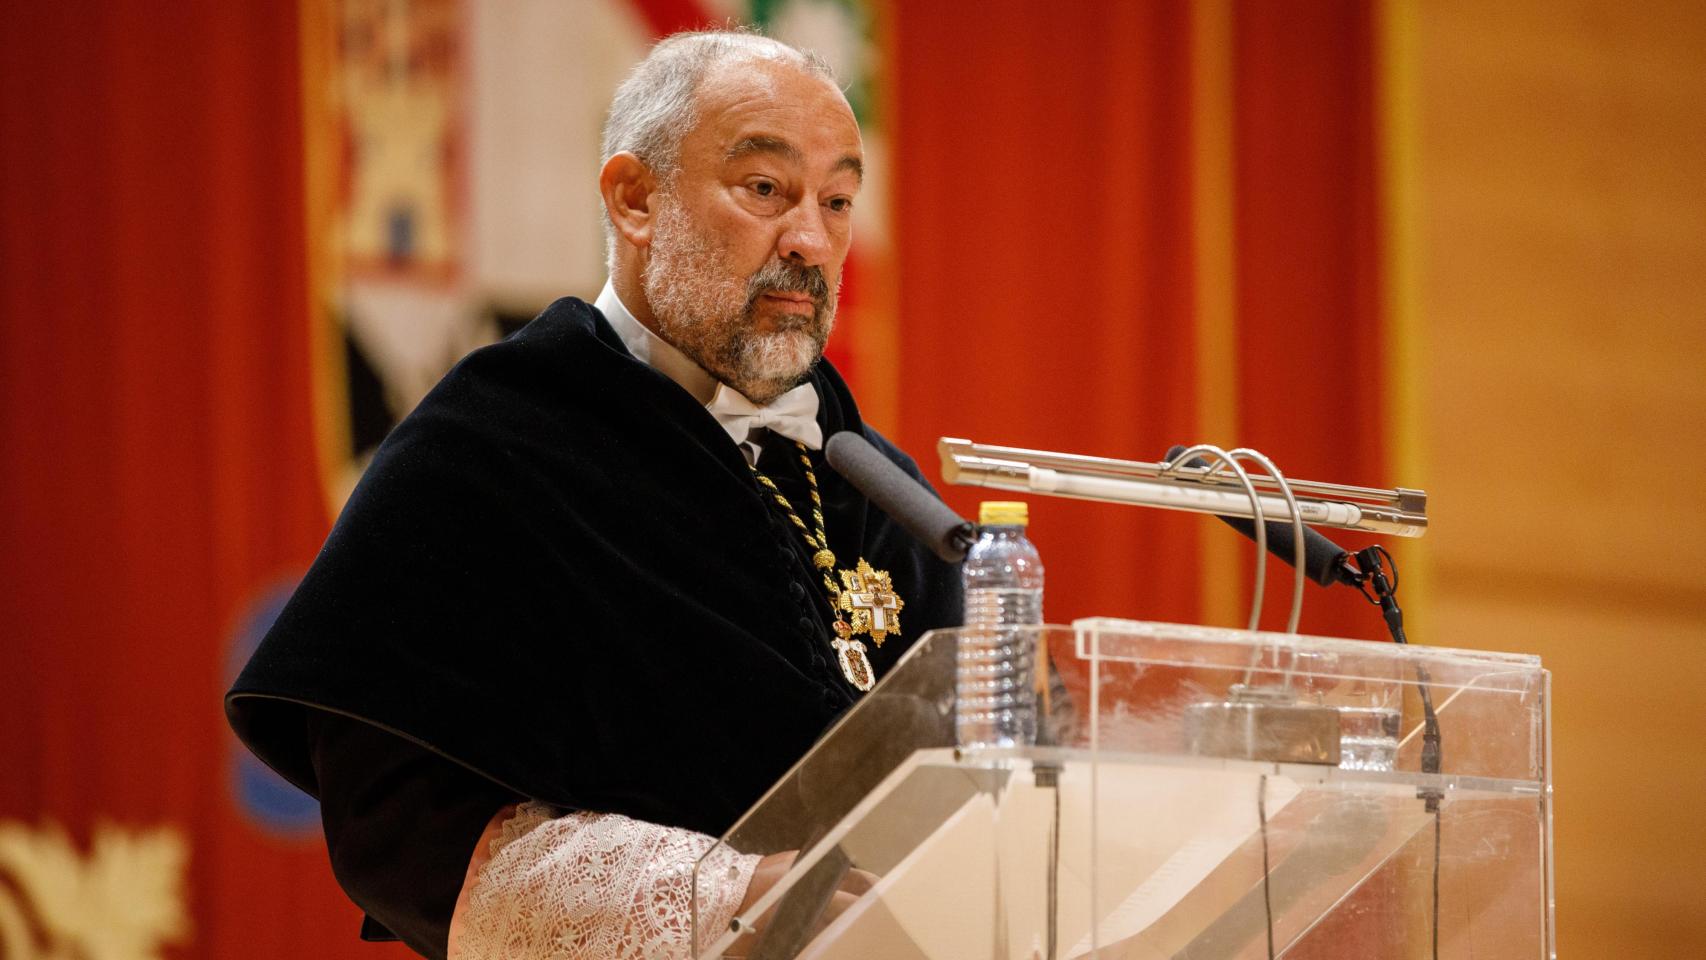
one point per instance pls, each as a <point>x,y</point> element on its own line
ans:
<point>595,885</point>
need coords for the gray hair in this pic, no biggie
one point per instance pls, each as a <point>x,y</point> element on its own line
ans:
<point>655,106</point>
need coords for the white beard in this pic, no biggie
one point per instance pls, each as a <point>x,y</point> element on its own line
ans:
<point>704,310</point>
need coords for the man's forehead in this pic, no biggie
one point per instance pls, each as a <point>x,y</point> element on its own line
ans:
<point>774,107</point>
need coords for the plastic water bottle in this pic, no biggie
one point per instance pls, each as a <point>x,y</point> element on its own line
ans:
<point>995,700</point>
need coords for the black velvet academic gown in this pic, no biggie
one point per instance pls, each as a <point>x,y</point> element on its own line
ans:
<point>559,580</point>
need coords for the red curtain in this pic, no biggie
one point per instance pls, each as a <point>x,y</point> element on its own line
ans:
<point>1307,202</point>
<point>156,456</point>
<point>1043,170</point>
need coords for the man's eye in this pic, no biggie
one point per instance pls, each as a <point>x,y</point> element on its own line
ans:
<point>841,204</point>
<point>764,188</point>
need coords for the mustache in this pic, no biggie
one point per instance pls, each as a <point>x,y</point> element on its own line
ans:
<point>780,276</point>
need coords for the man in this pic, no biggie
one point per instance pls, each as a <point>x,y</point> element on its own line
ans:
<point>589,572</point>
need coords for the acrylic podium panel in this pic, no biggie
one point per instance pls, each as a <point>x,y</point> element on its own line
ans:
<point>1196,793</point>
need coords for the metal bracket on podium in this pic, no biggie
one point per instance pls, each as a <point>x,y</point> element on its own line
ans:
<point>1264,723</point>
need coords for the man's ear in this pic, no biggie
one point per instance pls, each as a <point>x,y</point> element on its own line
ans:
<point>629,189</point>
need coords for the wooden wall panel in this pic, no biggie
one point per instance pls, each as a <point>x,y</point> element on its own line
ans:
<point>1563,296</point>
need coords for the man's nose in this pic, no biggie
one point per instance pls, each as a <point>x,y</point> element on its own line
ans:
<point>805,237</point>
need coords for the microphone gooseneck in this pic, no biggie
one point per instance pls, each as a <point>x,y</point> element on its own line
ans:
<point>1324,561</point>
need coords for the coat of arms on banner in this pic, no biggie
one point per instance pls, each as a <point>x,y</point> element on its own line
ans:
<point>391,143</point>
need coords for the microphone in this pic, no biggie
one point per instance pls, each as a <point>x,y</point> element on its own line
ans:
<point>1324,561</point>
<point>909,502</point>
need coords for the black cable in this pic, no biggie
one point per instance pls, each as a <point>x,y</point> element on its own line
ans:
<point>1047,775</point>
<point>1436,885</point>
<point>1267,893</point>
<point>1054,881</point>
<point>1381,590</point>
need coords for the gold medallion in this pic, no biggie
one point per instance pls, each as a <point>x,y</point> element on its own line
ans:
<point>869,600</point>
<point>854,664</point>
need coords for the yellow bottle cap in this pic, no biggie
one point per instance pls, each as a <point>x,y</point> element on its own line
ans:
<point>1003,513</point>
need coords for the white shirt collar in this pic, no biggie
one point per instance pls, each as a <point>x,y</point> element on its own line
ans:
<point>794,414</point>
<point>653,350</point>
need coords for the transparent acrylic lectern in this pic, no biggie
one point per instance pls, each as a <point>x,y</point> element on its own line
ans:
<point>1195,793</point>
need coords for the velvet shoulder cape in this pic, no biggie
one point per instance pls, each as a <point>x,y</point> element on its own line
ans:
<point>558,571</point>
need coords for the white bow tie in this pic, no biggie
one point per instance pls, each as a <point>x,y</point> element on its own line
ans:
<point>792,415</point>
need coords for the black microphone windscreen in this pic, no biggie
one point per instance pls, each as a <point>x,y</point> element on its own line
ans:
<point>909,502</point>
<point>1323,560</point>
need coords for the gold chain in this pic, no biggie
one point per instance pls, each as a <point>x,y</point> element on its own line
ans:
<point>855,666</point>
<point>822,557</point>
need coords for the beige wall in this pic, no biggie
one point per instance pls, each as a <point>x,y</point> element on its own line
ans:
<point>1562,293</point>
